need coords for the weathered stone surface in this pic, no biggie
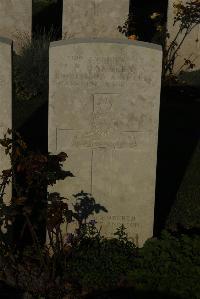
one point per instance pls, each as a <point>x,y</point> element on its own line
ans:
<point>94,18</point>
<point>103,112</point>
<point>16,20</point>
<point>5,100</point>
<point>190,48</point>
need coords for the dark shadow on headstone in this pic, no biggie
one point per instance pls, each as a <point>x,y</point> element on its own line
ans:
<point>33,125</point>
<point>30,119</point>
<point>34,130</point>
<point>191,78</point>
<point>184,214</point>
<point>179,133</point>
<point>34,133</point>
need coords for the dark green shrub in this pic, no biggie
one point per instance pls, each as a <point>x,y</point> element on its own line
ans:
<point>169,265</point>
<point>101,264</point>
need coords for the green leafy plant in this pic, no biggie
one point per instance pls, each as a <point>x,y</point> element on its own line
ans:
<point>83,261</point>
<point>31,211</point>
<point>129,26</point>
<point>98,263</point>
<point>168,266</point>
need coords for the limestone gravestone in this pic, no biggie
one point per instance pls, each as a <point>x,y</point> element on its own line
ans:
<point>94,18</point>
<point>5,100</point>
<point>103,112</point>
<point>16,20</point>
<point>190,48</point>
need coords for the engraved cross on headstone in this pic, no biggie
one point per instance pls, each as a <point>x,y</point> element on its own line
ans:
<point>104,132</point>
<point>94,18</point>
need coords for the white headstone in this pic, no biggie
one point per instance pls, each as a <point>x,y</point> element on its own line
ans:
<point>190,48</point>
<point>104,100</point>
<point>16,20</point>
<point>5,101</point>
<point>94,18</point>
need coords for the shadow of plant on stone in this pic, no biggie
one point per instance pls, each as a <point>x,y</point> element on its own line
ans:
<point>84,207</point>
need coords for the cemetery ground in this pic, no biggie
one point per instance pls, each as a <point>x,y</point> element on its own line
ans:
<point>85,264</point>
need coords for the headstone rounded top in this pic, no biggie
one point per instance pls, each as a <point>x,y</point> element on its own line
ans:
<point>104,97</point>
<point>105,40</point>
<point>6,40</point>
<point>94,18</point>
<point>16,21</point>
